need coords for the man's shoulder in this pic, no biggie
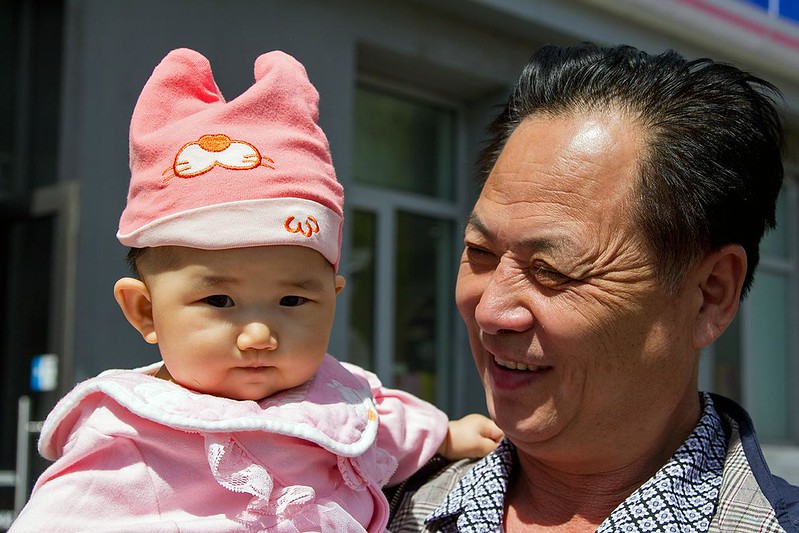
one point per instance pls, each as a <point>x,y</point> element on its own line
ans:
<point>751,496</point>
<point>413,500</point>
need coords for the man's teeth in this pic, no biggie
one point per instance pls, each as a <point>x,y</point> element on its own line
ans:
<point>517,366</point>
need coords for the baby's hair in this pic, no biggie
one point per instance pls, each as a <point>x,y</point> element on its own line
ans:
<point>143,261</point>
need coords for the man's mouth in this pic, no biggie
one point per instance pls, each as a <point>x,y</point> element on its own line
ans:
<point>518,366</point>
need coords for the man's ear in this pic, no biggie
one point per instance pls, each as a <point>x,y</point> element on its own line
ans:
<point>340,283</point>
<point>721,277</point>
<point>133,298</point>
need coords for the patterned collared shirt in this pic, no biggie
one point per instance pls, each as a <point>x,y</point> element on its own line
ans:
<point>681,497</point>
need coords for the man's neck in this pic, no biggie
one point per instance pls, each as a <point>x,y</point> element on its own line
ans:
<point>579,495</point>
<point>540,499</point>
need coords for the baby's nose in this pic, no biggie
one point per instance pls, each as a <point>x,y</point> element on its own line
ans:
<point>256,336</point>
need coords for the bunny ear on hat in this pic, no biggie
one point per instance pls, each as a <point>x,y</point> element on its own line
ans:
<point>180,86</point>
<point>211,174</point>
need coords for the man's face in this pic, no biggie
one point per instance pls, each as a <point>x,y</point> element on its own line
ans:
<point>243,323</point>
<point>577,345</point>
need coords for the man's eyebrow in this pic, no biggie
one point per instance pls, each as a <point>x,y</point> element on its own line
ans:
<point>474,222</point>
<point>542,244</point>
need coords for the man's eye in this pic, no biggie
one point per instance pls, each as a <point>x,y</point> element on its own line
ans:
<point>219,300</point>
<point>292,301</point>
<point>479,255</point>
<point>548,277</point>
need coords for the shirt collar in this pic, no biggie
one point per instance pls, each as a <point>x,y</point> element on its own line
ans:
<point>477,501</point>
<point>681,496</point>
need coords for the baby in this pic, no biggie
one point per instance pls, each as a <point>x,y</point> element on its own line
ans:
<point>234,219</point>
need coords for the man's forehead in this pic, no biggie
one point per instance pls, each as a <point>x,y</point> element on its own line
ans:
<point>529,237</point>
<point>580,162</point>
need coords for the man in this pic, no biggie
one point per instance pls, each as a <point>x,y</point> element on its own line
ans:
<point>617,229</point>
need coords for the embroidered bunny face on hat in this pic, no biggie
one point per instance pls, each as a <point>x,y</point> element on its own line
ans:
<point>211,174</point>
<point>205,153</point>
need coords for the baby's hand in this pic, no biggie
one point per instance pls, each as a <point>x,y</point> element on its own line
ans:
<point>470,437</point>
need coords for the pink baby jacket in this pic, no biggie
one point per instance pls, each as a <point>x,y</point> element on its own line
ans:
<point>136,453</point>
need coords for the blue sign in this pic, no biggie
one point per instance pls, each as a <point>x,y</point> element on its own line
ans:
<point>44,372</point>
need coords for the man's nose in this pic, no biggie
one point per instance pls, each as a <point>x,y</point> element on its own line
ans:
<point>256,335</point>
<point>504,304</point>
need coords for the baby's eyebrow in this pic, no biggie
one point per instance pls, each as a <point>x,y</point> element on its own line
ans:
<point>308,284</point>
<point>214,281</point>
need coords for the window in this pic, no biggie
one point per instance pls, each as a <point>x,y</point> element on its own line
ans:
<point>754,360</point>
<point>402,222</point>
<point>404,145</point>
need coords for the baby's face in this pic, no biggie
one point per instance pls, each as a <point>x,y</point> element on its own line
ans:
<point>243,323</point>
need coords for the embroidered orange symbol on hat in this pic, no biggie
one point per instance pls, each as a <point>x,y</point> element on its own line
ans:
<point>308,228</point>
<point>209,151</point>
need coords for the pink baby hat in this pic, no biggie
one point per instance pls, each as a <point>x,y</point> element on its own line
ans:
<point>211,174</point>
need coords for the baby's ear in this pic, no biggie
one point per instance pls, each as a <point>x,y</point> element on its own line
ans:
<point>133,298</point>
<point>340,282</point>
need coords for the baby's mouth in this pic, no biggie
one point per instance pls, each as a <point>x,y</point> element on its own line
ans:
<point>518,366</point>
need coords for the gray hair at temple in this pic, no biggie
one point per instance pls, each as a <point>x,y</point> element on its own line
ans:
<point>713,169</point>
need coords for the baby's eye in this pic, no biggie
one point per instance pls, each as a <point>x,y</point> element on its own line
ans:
<point>292,301</point>
<point>219,300</point>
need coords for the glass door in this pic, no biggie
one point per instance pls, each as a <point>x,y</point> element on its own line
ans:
<point>403,220</point>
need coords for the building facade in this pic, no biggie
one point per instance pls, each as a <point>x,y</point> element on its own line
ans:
<point>407,88</point>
